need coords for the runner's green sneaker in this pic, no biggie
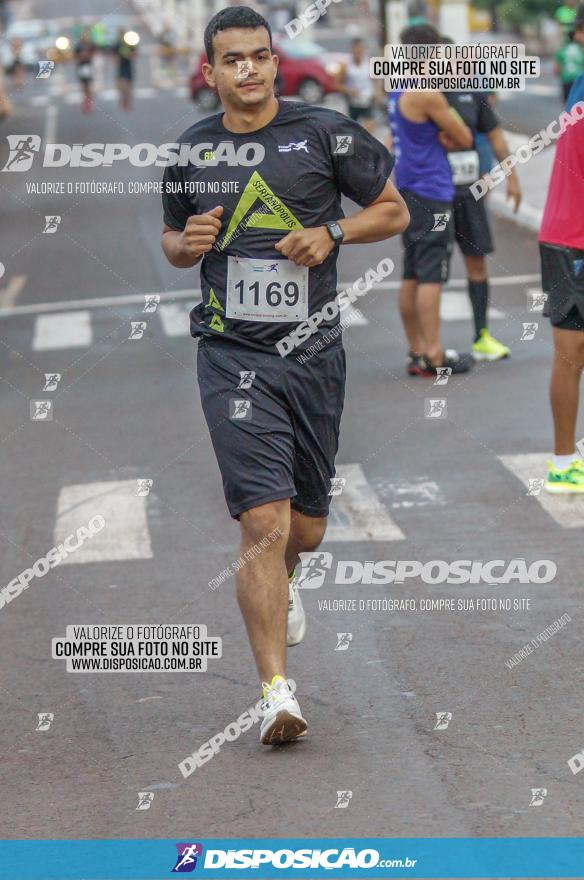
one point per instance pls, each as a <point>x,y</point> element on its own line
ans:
<point>568,481</point>
<point>487,348</point>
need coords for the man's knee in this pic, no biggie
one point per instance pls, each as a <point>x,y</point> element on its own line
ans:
<point>571,349</point>
<point>309,532</point>
<point>269,522</point>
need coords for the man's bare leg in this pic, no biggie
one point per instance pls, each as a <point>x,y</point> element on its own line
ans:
<point>262,586</point>
<point>565,387</point>
<point>408,308</point>
<point>428,303</point>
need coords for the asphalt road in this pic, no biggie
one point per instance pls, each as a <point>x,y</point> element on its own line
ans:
<point>435,489</point>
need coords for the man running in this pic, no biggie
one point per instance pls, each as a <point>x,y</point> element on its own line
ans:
<point>562,271</point>
<point>84,52</point>
<point>357,85</point>
<point>276,454</point>
<point>424,179</point>
<point>471,222</point>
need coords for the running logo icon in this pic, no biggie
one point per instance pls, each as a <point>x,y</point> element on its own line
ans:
<point>343,641</point>
<point>51,224</point>
<point>151,301</point>
<point>240,409</point>
<point>314,569</point>
<point>435,408</point>
<point>337,485</point>
<point>529,331</point>
<point>45,720</point>
<point>287,148</point>
<point>22,151</point>
<point>145,799</point>
<point>343,799</point>
<point>246,378</point>
<point>535,485</point>
<point>443,374</point>
<point>137,329</point>
<point>41,410</point>
<point>443,719</point>
<point>538,796</point>
<point>342,144</point>
<point>186,861</point>
<point>536,300</point>
<point>51,381</point>
<point>143,488</point>
<point>440,222</point>
<point>45,69</point>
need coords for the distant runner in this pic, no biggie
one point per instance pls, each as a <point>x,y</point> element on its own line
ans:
<point>357,85</point>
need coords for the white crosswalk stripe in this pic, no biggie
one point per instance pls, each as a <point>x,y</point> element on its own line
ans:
<point>174,318</point>
<point>566,510</point>
<point>125,535</point>
<point>62,330</point>
<point>357,514</point>
<point>455,306</point>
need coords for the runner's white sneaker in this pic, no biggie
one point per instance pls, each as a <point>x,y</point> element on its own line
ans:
<point>282,719</point>
<point>296,615</point>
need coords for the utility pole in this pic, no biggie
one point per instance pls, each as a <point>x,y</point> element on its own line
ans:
<point>394,18</point>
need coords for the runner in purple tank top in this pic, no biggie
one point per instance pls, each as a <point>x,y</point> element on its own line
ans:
<point>418,121</point>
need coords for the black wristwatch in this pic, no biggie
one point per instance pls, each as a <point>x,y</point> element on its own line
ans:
<point>335,231</point>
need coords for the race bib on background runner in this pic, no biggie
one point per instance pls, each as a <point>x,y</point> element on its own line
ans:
<point>266,290</point>
<point>464,166</point>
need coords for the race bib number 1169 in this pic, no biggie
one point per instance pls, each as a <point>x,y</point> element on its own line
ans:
<point>266,290</point>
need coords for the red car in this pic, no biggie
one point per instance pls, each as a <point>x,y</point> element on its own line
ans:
<point>306,70</point>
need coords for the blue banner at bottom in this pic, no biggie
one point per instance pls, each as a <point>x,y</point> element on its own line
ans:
<point>291,857</point>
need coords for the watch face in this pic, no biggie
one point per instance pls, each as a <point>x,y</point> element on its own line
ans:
<point>335,231</point>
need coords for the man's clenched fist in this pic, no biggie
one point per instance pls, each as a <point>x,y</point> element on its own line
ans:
<point>198,236</point>
<point>306,247</point>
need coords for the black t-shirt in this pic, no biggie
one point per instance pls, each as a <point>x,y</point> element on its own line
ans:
<point>478,114</point>
<point>298,166</point>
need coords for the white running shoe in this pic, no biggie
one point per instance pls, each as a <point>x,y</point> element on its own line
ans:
<point>282,719</point>
<point>296,615</point>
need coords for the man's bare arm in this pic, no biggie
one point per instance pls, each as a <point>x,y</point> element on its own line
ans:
<point>184,249</point>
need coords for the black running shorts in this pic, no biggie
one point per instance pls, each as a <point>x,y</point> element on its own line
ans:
<point>562,279</point>
<point>471,226</point>
<point>274,422</point>
<point>428,239</point>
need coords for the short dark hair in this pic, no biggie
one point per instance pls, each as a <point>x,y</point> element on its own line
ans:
<point>420,33</point>
<point>233,17</point>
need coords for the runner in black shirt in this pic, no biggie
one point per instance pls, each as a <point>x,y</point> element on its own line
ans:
<point>264,180</point>
<point>471,221</point>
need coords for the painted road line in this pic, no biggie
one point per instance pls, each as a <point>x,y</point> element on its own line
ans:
<point>455,306</point>
<point>10,293</point>
<point>195,295</point>
<point>100,302</point>
<point>353,317</point>
<point>404,494</point>
<point>567,510</point>
<point>174,318</point>
<point>62,330</point>
<point>357,514</point>
<point>125,534</point>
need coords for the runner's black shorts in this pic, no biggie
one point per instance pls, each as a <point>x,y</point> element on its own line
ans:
<point>471,225</point>
<point>428,239</point>
<point>277,438</point>
<point>562,279</point>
